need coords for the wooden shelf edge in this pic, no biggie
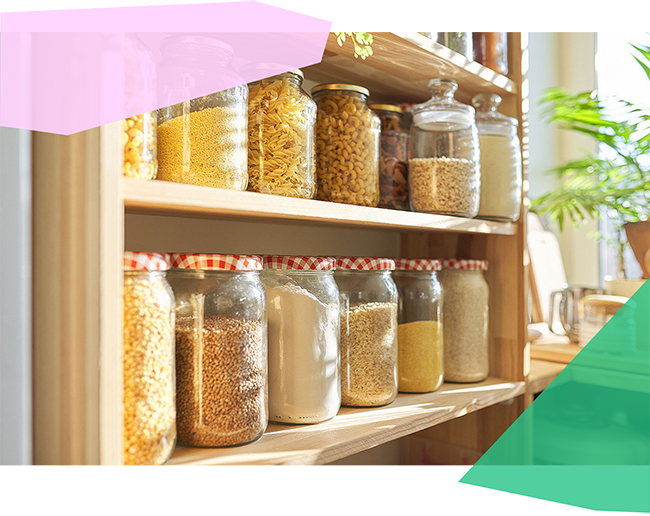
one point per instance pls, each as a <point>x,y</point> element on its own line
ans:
<point>165,198</point>
<point>542,373</point>
<point>356,429</point>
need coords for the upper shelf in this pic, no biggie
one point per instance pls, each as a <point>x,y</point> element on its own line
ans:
<point>401,67</point>
<point>165,198</point>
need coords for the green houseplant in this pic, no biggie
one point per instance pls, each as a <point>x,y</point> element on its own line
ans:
<point>615,181</point>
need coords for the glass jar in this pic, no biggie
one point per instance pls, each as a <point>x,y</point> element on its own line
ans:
<point>302,302</point>
<point>221,368</point>
<point>444,170</point>
<point>465,320</point>
<point>347,145</point>
<point>419,330</point>
<point>148,360</point>
<point>460,42</point>
<point>368,331</point>
<point>202,141</point>
<point>491,50</point>
<point>281,136</point>
<point>393,167</point>
<point>140,146</point>
<point>500,160</point>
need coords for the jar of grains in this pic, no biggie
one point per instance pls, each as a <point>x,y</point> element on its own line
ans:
<point>465,320</point>
<point>204,139</point>
<point>368,331</point>
<point>281,134</point>
<point>148,358</point>
<point>393,166</point>
<point>491,50</point>
<point>221,368</point>
<point>460,42</point>
<point>419,333</point>
<point>444,171</point>
<point>347,145</point>
<point>500,160</point>
<point>302,302</point>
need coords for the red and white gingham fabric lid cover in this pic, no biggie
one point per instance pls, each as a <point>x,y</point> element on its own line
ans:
<point>307,263</point>
<point>417,264</point>
<point>134,261</point>
<point>465,265</point>
<point>216,262</point>
<point>366,264</point>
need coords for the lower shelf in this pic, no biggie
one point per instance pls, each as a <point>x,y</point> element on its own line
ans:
<point>357,429</point>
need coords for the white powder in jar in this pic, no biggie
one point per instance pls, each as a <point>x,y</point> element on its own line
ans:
<point>303,356</point>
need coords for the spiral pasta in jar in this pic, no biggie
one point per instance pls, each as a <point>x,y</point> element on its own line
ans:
<point>347,145</point>
<point>281,137</point>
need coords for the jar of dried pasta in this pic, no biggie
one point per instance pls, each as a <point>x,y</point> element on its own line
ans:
<point>140,140</point>
<point>221,367</point>
<point>419,330</point>
<point>393,167</point>
<point>281,134</point>
<point>368,331</point>
<point>347,145</point>
<point>465,320</point>
<point>148,360</point>
<point>202,140</point>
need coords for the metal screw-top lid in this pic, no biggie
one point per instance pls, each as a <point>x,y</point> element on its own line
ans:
<point>386,107</point>
<point>341,87</point>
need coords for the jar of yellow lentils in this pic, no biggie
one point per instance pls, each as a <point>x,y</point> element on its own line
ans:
<point>202,140</point>
<point>281,134</point>
<point>148,360</point>
<point>347,145</point>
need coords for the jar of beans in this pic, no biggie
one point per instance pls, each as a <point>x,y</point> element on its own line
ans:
<point>202,140</point>
<point>393,165</point>
<point>419,330</point>
<point>465,320</point>
<point>281,134</point>
<point>368,331</point>
<point>148,358</point>
<point>347,145</point>
<point>221,367</point>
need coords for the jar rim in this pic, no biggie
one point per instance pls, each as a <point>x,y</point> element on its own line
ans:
<point>340,87</point>
<point>386,107</point>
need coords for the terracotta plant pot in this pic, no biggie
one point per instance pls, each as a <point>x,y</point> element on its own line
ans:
<point>638,235</point>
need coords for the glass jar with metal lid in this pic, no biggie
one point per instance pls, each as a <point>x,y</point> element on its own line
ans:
<point>281,133</point>
<point>419,330</point>
<point>368,331</point>
<point>303,316</point>
<point>393,166</point>
<point>204,139</point>
<point>444,169</point>
<point>221,368</point>
<point>347,145</point>
<point>148,360</point>
<point>500,160</point>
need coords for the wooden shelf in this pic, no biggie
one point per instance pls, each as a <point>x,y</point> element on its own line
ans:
<point>401,67</point>
<point>356,429</point>
<point>165,198</point>
<point>542,373</point>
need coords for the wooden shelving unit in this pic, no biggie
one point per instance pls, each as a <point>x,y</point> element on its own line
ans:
<point>85,209</point>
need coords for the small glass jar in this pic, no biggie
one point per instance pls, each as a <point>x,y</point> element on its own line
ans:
<point>347,145</point>
<point>465,320</point>
<point>148,360</point>
<point>419,330</point>
<point>393,167</point>
<point>304,330</point>
<point>444,169</point>
<point>202,141</point>
<point>491,50</point>
<point>281,135</point>
<point>500,160</point>
<point>460,42</point>
<point>221,368</point>
<point>368,331</point>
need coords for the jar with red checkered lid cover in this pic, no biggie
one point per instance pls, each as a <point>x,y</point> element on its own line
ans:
<point>148,360</point>
<point>368,331</point>
<point>303,331</point>
<point>419,332</point>
<point>465,320</point>
<point>221,363</point>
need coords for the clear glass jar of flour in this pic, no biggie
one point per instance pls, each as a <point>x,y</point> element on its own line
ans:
<point>303,339</point>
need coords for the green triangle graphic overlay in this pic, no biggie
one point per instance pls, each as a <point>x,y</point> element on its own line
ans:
<point>585,440</point>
